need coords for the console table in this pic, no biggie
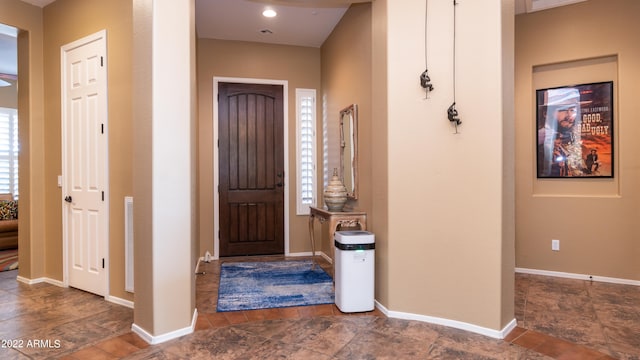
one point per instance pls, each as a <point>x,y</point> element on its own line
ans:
<point>347,218</point>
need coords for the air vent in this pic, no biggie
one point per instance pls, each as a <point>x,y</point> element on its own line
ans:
<point>128,244</point>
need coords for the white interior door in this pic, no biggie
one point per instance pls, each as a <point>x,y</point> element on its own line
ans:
<point>84,142</point>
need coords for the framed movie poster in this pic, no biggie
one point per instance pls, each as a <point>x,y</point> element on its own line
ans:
<point>575,131</point>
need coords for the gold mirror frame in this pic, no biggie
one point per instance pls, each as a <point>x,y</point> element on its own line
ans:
<point>349,150</point>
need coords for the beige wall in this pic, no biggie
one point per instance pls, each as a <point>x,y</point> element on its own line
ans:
<point>378,218</point>
<point>594,219</point>
<point>143,159</point>
<point>9,95</point>
<point>300,66</point>
<point>66,21</point>
<point>447,228</point>
<point>346,79</point>
<point>508,161</point>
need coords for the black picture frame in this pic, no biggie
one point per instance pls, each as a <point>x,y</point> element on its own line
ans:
<point>574,131</point>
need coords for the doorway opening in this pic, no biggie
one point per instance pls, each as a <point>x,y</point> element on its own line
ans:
<point>9,148</point>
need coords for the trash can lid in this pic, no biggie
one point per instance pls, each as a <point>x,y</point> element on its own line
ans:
<point>353,233</point>
<point>354,237</point>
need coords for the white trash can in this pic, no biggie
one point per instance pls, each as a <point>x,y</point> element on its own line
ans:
<point>354,270</point>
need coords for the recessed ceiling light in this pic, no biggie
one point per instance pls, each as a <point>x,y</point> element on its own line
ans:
<point>269,13</point>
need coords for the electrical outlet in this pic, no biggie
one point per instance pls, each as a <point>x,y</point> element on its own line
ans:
<point>555,245</point>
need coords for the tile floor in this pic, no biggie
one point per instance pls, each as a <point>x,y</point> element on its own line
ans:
<point>557,318</point>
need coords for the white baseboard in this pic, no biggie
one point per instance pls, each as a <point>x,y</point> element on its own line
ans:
<point>29,281</point>
<point>501,334</point>
<point>300,254</point>
<point>308,253</point>
<point>153,340</point>
<point>578,276</point>
<point>119,301</point>
<point>112,299</point>
<point>40,280</point>
<point>326,257</point>
<point>496,334</point>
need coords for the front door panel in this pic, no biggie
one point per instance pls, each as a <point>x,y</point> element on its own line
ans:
<point>251,170</point>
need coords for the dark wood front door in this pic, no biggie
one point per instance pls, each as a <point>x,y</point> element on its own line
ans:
<point>251,158</point>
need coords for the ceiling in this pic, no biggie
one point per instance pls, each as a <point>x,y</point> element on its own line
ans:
<point>40,3</point>
<point>528,6</point>
<point>8,50</point>
<point>299,22</point>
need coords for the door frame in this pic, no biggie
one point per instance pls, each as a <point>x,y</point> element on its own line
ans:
<point>100,35</point>
<point>216,172</point>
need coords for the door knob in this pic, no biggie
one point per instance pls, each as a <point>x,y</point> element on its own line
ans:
<point>67,199</point>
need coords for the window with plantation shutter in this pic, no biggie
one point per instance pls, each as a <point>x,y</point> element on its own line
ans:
<point>9,148</point>
<point>306,149</point>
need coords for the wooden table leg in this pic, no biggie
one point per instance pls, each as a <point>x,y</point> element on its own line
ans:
<point>313,242</point>
<point>333,226</point>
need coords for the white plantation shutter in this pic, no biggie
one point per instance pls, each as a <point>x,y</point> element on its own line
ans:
<point>306,152</point>
<point>9,149</point>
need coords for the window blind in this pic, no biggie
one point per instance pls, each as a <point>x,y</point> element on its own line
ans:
<point>9,149</point>
<point>306,123</point>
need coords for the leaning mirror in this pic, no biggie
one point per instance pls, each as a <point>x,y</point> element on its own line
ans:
<point>349,150</point>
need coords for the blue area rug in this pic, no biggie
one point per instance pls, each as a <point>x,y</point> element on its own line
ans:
<point>264,285</point>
